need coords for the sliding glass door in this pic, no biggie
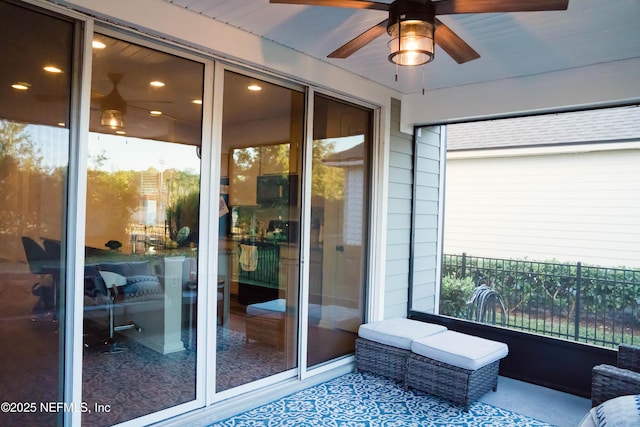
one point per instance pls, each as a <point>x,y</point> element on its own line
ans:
<point>339,223</point>
<point>258,270</point>
<point>141,287</point>
<point>35,104</point>
<point>260,208</point>
<point>141,281</point>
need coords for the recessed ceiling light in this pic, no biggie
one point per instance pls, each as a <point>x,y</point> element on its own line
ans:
<point>61,124</point>
<point>254,87</point>
<point>155,113</point>
<point>21,86</point>
<point>197,101</point>
<point>121,132</point>
<point>98,44</point>
<point>52,69</point>
<point>156,83</point>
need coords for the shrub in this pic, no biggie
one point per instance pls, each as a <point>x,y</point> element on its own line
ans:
<point>553,287</point>
<point>183,215</point>
<point>454,295</point>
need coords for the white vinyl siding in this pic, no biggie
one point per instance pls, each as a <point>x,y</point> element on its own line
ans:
<point>578,206</point>
<point>426,220</point>
<point>401,191</point>
<point>399,218</point>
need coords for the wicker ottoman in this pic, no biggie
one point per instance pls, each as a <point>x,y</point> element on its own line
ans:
<point>383,347</point>
<point>265,321</point>
<point>458,367</point>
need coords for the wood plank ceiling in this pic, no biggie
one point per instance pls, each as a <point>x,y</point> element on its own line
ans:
<point>510,44</point>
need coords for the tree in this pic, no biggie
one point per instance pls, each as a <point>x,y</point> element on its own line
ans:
<point>327,181</point>
<point>16,144</point>
<point>180,184</point>
<point>112,198</point>
<point>21,177</point>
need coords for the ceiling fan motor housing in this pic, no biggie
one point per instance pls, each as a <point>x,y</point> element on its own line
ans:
<point>114,101</point>
<point>113,107</point>
<point>411,26</point>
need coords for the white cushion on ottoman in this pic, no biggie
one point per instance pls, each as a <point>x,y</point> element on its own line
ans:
<point>273,308</point>
<point>398,332</point>
<point>464,351</point>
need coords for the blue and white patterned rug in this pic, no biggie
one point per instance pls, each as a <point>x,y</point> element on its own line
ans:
<point>366,400</point>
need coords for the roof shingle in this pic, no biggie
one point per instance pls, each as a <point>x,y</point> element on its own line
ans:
<point>608,124</point>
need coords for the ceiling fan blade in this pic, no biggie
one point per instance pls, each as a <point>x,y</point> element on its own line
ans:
<point>351,4</point>
<point>352,46</point>
<point>95,95</point>
<point>448,7</point>
<point>149,101</point>
<point>451,43</point>
<point>51,98</point>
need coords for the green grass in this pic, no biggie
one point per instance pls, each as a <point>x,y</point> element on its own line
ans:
<point>589,332</point>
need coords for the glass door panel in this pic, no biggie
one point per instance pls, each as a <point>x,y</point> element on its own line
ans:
<point>141,245</point>
<point>34,145</point>
<point>259,214</point>
<point>339,221</point>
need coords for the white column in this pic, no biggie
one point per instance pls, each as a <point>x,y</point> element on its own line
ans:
<point>173,304</point>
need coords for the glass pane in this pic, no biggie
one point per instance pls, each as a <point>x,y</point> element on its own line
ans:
<point>259,227</point>
<point>553,253</point>
<point>339,213</point>
<point>143,203</point>
<point>34,146</point>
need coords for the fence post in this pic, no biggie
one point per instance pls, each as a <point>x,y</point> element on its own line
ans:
<point>464,265</point>
<point>576,326</point>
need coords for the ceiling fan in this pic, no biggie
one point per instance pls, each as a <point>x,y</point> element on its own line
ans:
<point>414,28</point>
<point>113,106</point>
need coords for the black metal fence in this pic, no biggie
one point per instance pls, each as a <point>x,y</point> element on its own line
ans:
<point>595,305</point>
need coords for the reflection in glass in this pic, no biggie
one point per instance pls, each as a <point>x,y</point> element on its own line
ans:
<point>141,243</point>
<point>34,147</point>
<point>339,212</point>
<point>259,227</point>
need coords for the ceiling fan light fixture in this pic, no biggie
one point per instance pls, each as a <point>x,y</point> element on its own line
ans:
<point>411,27</point>
<point>113,107</point>
<point>411,42</point>
<point>113,119</point>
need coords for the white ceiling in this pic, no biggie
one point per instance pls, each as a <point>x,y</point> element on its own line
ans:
<point>510,44</point>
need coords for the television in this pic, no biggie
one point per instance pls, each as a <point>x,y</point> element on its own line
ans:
<point>277,189</point>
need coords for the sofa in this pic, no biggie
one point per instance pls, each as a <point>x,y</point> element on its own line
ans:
<point>142,292</point>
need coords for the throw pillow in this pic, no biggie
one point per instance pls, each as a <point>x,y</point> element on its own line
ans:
<point>623,411</point>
